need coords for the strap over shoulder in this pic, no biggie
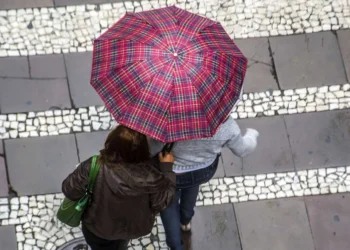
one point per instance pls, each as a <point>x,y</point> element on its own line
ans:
<point>93,173</point>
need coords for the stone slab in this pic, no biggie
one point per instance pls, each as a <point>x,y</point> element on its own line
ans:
<point>67,2</point>
<point>79,71</point>
<point>39,165</point>
<point>260,75</point>
<point>233,165</point>
<point>344,38</point>
<point>4,191</point>
<point>22,95</point>
<point>19,4</point>
<point>329,220</point>
<point>8,238</point>
<point>215,227</point>
<point>259,78</point>
<point>47,66</point>
<point>14,66</point>
<point>274,225</point>
<point>320,139</point>
<point>307,60</point>
<point>220,172</point>
<point>90,144</point>
<point>273,152</point>
<point>255,49</point>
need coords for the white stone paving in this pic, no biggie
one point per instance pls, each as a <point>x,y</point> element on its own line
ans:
<point>275,185</point>
<point>38,228</point>
<point>97,118</point>
<point>37,31</point>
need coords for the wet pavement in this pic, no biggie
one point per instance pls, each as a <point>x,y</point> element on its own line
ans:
<point>320,141</point>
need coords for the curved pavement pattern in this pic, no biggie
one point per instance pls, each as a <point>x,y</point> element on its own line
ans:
<point>55,30</point>
<point>297,96</point>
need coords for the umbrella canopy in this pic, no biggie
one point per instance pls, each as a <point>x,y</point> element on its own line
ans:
<point>168,73</point>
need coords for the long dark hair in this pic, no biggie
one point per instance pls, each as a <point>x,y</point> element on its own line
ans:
<point>125,145</point>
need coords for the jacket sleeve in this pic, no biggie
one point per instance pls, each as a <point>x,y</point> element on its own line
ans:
<point>73,187</point>
<point>163,198</point>
<point>242,145</point>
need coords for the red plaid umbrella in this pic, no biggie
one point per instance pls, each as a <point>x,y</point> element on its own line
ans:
<point>168,73</point>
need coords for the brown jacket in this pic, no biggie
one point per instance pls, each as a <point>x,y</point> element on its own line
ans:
<point>125,198</point>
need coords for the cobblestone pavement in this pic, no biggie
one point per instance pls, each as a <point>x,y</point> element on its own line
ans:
<point>291,193</point>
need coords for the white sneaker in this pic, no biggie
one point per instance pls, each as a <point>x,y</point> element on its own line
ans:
<point>186,228</point>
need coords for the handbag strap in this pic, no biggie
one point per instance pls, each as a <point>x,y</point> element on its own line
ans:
<point>92,178</point>
<point>93,173</point>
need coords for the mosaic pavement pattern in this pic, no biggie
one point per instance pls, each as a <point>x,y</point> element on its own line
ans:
<point>294,81</point>
<point>37,31</point>
<point>97,118</point>
<point>38,228</point>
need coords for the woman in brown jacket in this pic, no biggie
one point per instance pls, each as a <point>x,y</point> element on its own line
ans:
<point>129,191</point>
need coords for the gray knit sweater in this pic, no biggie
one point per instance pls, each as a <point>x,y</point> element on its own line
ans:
<point>195,154</point>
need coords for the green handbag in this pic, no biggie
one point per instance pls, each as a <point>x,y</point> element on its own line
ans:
<point>71,212</point>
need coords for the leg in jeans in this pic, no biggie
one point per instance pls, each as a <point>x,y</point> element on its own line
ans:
<point>187,203</point>
<point>171,222</point>
<point>189,193</point>
<point>171,218</point>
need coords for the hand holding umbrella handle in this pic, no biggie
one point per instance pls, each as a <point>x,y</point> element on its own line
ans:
<point>167,148</point>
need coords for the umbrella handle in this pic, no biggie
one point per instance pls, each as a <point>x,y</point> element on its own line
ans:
<point>167,148</point>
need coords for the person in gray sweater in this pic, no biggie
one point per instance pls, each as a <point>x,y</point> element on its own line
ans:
<point>195,163</point>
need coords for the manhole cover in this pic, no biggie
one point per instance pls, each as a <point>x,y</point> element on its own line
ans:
<point>77,244</point>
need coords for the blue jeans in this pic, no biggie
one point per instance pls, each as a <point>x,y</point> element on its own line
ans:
<point>181,210</point>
